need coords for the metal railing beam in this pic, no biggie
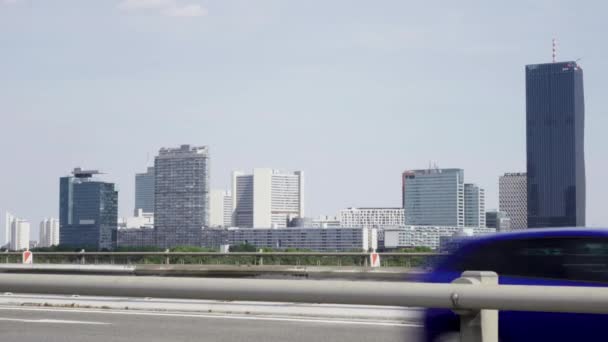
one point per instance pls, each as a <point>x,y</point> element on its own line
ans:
<point>450,296</point>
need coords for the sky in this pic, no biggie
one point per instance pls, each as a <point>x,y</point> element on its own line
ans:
<point>351,92</point>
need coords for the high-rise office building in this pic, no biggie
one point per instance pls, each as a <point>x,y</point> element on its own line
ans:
<point>220,210</point>
<point>513,199</point>
<point>144,191</point>
<point>48,232</point>
<point>555,114</point>
<point>181,195</point>
<point>88,211</point>
<point>474,206</point>
<point>267,198</point>
<point>434,197</point>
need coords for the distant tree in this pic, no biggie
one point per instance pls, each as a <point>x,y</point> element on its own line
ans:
<point>298,250</point>
<point>139,249</point>
<point>188,249</point>
<point>419,249</point>
<point>245,247</point>
<point>63,248</point>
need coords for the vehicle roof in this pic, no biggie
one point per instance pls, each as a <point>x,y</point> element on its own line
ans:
<point>541,233</point>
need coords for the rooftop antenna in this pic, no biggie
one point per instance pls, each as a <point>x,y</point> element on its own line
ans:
<point>554,49</point>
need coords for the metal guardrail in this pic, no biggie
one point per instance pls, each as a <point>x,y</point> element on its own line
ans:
<point>256,258</point>
<point>476,296</point>
<point>220,254</point>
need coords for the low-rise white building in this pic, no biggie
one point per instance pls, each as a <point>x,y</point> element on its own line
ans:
<point>426,236</point>
<point>315,239</point>
<point>140,220</point>
<point>371,217</point>
<point>325,221</point>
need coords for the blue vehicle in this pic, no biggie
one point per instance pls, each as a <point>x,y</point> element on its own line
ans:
<point>548,257</point>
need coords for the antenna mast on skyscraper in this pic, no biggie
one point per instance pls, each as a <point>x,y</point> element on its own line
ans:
<point>554,49</point>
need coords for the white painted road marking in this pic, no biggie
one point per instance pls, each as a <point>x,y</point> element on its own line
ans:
<point>238,317</point>
<point>50,321</point>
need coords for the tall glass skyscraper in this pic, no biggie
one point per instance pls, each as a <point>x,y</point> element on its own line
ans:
<point>88,211</point>
<point>144,191</point>
<point>474,206</point>
<point>181,195</point>
<point>555,113</point>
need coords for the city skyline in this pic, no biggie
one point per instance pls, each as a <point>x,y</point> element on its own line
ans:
<point>366,101</point>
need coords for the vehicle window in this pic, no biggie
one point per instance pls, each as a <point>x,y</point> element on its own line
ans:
<point>588,260</point>
<point>582,259</point>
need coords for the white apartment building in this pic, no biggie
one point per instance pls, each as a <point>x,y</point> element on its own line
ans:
<point>48,232</point>
<point>325,221</point>
<point>220,208</point>
<point>5,236</point>
<point>425,236</point>
<point>19,234</point>
<point>372,217</point>
<point>315,239</point>
<point>267,198</point>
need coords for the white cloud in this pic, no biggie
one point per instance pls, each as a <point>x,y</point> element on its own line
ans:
<point>9,2</point>
<point>145,4</point>
<point>165,7</point>
<point>186,11</point>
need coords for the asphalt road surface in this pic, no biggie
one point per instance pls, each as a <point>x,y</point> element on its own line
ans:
<point>50,324</point>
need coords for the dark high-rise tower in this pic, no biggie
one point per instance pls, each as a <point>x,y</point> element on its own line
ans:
<point>88,211</point>
<point>555,113</point>
<point>144,191</point>
<point>181,195</point>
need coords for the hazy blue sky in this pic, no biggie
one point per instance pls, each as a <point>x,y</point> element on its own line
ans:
<point>350,92</point>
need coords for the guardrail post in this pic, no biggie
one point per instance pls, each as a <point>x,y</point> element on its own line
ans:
<point>167,258</point>
<point>82,258</point>
<point>477,325</point>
